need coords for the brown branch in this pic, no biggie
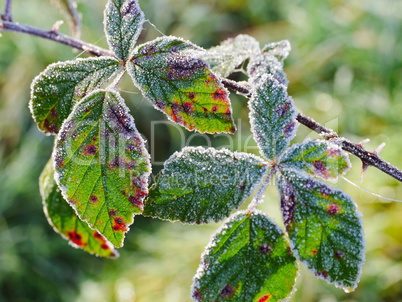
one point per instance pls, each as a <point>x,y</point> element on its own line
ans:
<point>54,35</point>
<point>367,158</point>
<point>7,11</point>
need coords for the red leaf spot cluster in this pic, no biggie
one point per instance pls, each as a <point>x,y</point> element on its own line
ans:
<point>264,298</point>
<point>98,236</point>
<point>333,209</point>
<point>90,150</point>
<point>119,225</point>
<point>104,244</point>
<point>265,248</point>
<point>75,238</point>
<point>227,291</point>
<point>137,199</point>
<point>219,94</point>
<point>93,199</point>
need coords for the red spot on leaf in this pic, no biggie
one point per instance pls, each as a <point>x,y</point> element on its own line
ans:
<point>59,161</point>
<point>75,238</point>
<point>104,246</point>
<point>205,109</point>
<point>123,192</point>
<point>242,187</point>
<point>50,126</point>
<point>333,209</point>
<point>323,274</point>
<point>264,298</point>
<point>53,112</point>
<point>119,225</point>
<point>227,291</point>
<point>192,95</point>
<point>98,236</point>
<point>314,252</point>
<point>137,199</point>
<point>214,109</point>
<point>220,94</point>
<point>197,295</point>
<point>188,107</point>
<point>339,254</point>
<point>112,212</point>
<point>93,199</point>
<point>131,147</point>
<point>90,150</point>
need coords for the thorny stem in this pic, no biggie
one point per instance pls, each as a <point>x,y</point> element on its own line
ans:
<point>54,35</point>
<point>7,11</point>
<point>367,158</point>
<point>258,198</point>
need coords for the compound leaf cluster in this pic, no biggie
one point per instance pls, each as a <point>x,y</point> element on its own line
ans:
<point>97,179</point>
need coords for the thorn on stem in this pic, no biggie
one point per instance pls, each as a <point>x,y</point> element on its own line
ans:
<point>365,165</point>
<point>56,26</point>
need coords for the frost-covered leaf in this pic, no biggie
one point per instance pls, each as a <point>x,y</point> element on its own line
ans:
<point>265,64</point>
<point>317,158</point>
<point>224,58</point>
<point>102,165</point>
<point>60,85</point>
<point>198,185</point>
<point>248,260</point>
<point>123,22</point>
<point>279,50</point>
<point>64,220</point>
<point>272,117</point>
<point>324,228</point>
<point>69,9</point>
<point>181,85</point>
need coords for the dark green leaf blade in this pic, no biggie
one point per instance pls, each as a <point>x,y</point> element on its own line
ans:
<point>181,85</point>
<point>123,22</point>
<point>102,166</point>
<point>198,185</point>
<point>60,85</point>
<point>64,220</point>
<point>317,158</point>
<point>272,117</point>
<point>324,228</point>
<point>224,58</point>
<point>249,260</point>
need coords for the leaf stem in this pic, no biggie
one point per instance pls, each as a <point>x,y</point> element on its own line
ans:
<point>54,35</point>
<point>258,198</point>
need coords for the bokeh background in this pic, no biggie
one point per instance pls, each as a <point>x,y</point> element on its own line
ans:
<point>345,70</point>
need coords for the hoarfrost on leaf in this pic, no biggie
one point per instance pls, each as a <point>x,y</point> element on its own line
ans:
<point>317,158</point>
<point>279,50</point>
<point>248,259</point>
<point>123,22</point>
<point>324,228</point>
<point>178,83</point>
<point>272,117</point>
<point>55,90</point>
<point>198,185</point>
<point>102,165</point>
<point>224,58</point>
<point>265,64</point>
<point>64,220</point>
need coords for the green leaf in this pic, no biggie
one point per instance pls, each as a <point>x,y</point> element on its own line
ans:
<point>181,85</point>
<point>198,185</point>
<point>317,158</point>
<point>279,50</point>
<point>102,165</point>
<point>64,220</point>
<point>224,58</point>
<point>123,22</point>
<point>248,260</point>
<point>69,9</point>
<point>272,117</point>
<point>324,228</point>
<point>60,85</point>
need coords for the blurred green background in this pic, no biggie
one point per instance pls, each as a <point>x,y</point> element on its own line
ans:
<point>345,70</point>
